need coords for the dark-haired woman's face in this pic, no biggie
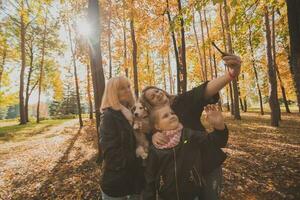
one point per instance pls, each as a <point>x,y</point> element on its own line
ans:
<point>156,97</point>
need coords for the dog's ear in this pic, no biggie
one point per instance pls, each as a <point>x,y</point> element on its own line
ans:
<point>133,109</point>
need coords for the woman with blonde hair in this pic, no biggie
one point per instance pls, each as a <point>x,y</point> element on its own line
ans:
<point>121,175</point>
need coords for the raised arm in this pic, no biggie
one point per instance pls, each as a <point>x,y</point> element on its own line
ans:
<point>233,63</point>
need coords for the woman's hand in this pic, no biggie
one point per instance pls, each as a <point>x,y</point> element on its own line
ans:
<point>214,116</point>
<point>233,63</point>
<point>159,139</point>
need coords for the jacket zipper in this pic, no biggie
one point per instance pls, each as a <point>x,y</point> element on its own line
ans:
<point>176,181</point>
<point>200,182</point>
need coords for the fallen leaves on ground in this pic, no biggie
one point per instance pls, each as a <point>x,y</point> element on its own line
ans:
<point>263,163</point>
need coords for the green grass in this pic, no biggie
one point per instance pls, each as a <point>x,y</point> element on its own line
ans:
<point>20,132</point>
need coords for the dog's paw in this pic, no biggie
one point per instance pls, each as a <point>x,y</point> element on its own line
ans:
<point>144,155</point>
<point>140,152</point>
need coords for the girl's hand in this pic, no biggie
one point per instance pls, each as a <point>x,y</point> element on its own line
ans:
<point>159,139</point>
<point>214,116</point>
<point>233,63</point>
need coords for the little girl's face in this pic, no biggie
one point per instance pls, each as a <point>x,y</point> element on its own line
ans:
<point>166,119</point>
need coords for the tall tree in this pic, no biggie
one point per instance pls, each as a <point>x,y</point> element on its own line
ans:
<point>75,73</point>
<point>293,7</point>
<point>134,51</point>
<point>182,51</point>
<point>273,98</point>
<point>42,67</point>
<point>172,31</point>
<point>88,75</point>
<point>96,61</point>
<point>230,49</point>
<point>276,66</point>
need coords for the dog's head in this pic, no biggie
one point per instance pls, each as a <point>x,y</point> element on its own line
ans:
<point>139,111</point>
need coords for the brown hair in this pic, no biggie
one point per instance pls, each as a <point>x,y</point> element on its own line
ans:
<point>147,103</point>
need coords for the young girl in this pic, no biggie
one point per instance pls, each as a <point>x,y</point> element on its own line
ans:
<point>177,169</point>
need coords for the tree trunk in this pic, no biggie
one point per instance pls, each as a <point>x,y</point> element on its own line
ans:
<point>255,71</point>
<point>96,63</point>
<point>134,56</point>
<point>293,7</point>
<point>227,95</point>
<point>23,65</point>
<point>41,70</point>
<point>183,85</point>
<point>89,91</point>
<point>203,47</point>
<point>109,41</point>
<point>3,63</point>
<point>209,48</point>
<point>273,99</point>
<point>223,28</point>
<point>124,41</point>
<point>198,49</point>
<point>28,83</point>
<point>170,75</point>
<point>75,75</point>
<point>276,66</point>
<point>178,65</point>
<point>234,82</point>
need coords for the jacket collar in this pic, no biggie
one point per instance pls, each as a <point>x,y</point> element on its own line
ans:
<point>119,115</point>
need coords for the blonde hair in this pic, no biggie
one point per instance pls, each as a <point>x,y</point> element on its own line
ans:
<point>143,99</point>
<point>110,97</point>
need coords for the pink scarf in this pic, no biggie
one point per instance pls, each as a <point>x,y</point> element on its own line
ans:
<point>173,136</point>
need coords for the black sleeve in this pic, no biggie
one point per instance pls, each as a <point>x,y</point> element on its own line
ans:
<point>217,138</point>
<point>195,97</point>
<point>149,192</point>
<point>110,140</point>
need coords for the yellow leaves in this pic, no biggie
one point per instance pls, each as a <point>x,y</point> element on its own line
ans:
<point>57,86</point>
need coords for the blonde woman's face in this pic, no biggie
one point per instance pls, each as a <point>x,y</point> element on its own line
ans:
<point>156,97</point>
<point>124,92</point>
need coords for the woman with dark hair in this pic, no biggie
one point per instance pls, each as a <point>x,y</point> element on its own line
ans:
<point>189,106</point>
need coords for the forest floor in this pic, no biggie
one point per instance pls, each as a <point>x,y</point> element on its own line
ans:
<point>263,162</point>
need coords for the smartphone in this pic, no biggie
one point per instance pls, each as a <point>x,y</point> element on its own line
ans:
<point>219,50</point>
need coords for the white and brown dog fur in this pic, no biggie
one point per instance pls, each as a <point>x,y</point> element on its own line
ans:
<point>141,128</point>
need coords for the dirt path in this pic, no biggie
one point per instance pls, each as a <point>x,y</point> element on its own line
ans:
<point>26,165</point>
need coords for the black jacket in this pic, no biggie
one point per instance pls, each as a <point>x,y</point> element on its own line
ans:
<point>179,173</point>
<point>189,105</point>
<point>121,172</point>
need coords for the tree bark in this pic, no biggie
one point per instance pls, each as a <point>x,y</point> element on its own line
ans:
<point>134,55</point>
<point>178,65</point>
<point>183,85</point>
<point>293,7</point>
<point>23,65</point>
<point>255,71</point>
<point>89,91</point>
<point>170,75</point>
<point>234,82</point>
<point>41,70</point>
<point>124,41</point>
<point>276,66</point>
<point>96,63</point>
<point>28,83</point>
<point>109,40</point>
<point>203,47</point>
<point>198,50</point>
<point>273,99</point>
<point>209,48</point>
<point>3,63</point>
